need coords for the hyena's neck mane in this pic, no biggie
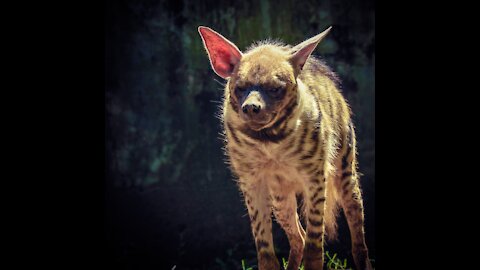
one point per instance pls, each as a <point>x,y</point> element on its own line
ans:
<point>268,43</point>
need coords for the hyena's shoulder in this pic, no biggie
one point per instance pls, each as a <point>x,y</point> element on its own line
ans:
<point>324,87</point>
<point>324,84</point>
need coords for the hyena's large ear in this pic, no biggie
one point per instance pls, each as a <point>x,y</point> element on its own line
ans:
<point>302,51</point>
<point>223,54</point>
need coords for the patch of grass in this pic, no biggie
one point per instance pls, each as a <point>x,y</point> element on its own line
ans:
<point>285,263</point>
<point>333,263</point>
<point>243,266</point>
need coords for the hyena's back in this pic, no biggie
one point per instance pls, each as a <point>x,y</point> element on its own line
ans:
<point>342,181</point>
<point>339,137</point>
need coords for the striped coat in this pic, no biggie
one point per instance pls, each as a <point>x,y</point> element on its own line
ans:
<point>288,134</point>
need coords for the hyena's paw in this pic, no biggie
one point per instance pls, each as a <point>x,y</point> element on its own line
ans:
<point>295,259</point>
<point>313,264</point>
<point>364,264</point>
<point>360,256</point>
<point>267,261</point>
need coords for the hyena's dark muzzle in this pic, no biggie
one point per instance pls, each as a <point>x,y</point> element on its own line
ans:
<point>254,110</point>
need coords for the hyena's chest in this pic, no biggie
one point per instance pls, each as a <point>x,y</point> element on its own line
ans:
<point>265,161</point>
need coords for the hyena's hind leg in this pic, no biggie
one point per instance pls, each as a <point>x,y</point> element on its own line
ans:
<point>260,212</point>
<point>350,199</point>
<point>285,210</point>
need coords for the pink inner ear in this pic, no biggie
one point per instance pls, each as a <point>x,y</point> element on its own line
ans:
<point>223,54</point>
<point>302,55</point>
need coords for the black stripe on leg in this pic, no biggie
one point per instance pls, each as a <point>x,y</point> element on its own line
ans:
<point>317,192</point>
<point>314,235</point>
<point>312,251</point>
<point>312,172</point>
<point>345,185</point>
<point>317,201</point>
<point>346,174</point>
<point>262,244</point>
<point>315,223</point>
<point>305,157</point>
<point>315,181</point>
<point>258,227</point>
<point>318,173</point>
<point>310,167</point>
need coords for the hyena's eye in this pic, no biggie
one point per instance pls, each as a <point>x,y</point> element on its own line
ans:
<point>240,90</point>
<point>276,92</point>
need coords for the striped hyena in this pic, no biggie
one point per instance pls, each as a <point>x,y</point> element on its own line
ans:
<point>288,133</point>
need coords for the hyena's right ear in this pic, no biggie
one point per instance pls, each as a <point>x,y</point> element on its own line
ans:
<point>223,54</point>
<point>302,51</point>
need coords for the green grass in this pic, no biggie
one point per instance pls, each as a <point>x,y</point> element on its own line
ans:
<point>243,266</point>
<point>285,263</point>
<point>333,263</point>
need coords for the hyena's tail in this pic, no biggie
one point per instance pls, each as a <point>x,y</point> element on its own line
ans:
<point>331,211</point>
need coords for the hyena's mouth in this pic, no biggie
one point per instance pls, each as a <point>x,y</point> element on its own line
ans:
<point>255,126</point>
<point>260,124</point>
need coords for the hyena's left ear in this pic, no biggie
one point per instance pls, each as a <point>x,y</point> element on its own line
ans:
<point>302,51</point>
<point>223,54</point>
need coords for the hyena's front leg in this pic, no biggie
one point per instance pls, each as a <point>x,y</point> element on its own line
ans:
<point>260,211</point>
<point>285,210</point>
<point>315,202</point>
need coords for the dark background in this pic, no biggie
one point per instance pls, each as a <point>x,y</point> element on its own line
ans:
<point>169,197</point>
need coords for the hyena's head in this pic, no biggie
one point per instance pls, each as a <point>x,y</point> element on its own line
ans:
<point>262,82</point>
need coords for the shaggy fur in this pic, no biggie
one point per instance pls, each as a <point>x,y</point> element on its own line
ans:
<point>288,134</point>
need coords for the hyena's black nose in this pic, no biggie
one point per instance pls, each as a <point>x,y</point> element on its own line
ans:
<point>251,109</point>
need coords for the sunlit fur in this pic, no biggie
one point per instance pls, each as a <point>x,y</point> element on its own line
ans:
<point>308,150</point>
<point>323,88</point>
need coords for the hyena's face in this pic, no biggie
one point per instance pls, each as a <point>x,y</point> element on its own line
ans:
<point>261,87</point>
<point>261,82</point>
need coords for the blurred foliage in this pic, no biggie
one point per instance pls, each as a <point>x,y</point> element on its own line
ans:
<point>162,96</point>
